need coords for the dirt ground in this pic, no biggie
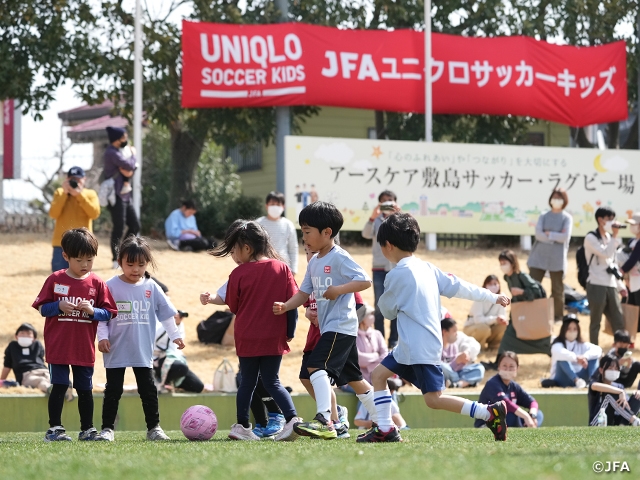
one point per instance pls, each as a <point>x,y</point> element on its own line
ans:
<point>27,259</point>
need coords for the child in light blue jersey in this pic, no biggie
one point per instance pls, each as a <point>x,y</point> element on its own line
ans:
<point>128,339</point>
<point>412,294</point>
<point>333,277</point>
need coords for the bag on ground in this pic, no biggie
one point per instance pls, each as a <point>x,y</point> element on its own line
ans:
<point>533,320</point>
<point>630,314</point>
<point>224,378</point>
<point>212,329</point>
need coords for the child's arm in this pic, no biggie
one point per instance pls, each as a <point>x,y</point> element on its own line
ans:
<point>292,320</point>
<point>205,299</point>
<point>604,388</point>
<point>104,345</point>
<point>334,292</point>
<point>172,330</point>
<point>452,286</point>
<point>5,373</point>
<point>53,309</point>
<point>294,302</point>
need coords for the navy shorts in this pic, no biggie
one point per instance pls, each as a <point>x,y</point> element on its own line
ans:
<point>82,376</point>
<point>304,370</point>
<point>428,378</point>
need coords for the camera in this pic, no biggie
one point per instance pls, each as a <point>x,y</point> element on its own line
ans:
<point>73,183</point>
<point>183,314</point>
<point>619,225</point>
<point>388,207</point>
<point>613,269</point>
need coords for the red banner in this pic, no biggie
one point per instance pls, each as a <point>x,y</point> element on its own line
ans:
<point>227,65</point>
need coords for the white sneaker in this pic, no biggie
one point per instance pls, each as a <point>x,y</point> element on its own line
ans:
<point>238,432</point>
<point>126,188</point>
<point>174,244</point>
<point>636,423</point>
<point>288,434</point>
<point>106,435</point>
<point>580,383</point>
<point>156,433</point>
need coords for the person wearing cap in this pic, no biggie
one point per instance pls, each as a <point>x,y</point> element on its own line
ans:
<point>25,356</point>
<point>73,206</point>
<point>573,361</point>
<point>631,265</point>
<point>120,164</point>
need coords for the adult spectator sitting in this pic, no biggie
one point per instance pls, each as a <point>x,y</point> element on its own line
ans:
<point>25,356</point>
<point>503,387</point>
<point>609,404</point>
<point>282,232</point>
<point>602,283</point>
<point>73,206</point>
<point>181,229</point>
<point>381,266</point>
<point>458,355</point>
<point>120,167</point>
<point>573,361</point>
<point>629,369</point>
<point>487,321</point>
<point>170,364</point>
<point>549,253</point>
<point>631,267</point>
<point>370,342</point>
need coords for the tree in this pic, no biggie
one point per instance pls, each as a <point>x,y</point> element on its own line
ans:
<point>39,45</point>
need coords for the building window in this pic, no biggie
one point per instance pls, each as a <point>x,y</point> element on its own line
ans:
<point>372,133</point>
<point>535,139</point>
<point>246,156</point>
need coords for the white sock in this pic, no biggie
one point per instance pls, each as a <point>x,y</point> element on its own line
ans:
<point>369,403</point>
<point>382,400</point>
<point>475,410</point>
<point>322,389</point>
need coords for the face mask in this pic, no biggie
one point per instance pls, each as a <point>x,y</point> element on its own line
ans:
<point>634,229</point>
<point>123,144</point>
<point>507,374</point>
<point>622,351</point>
<point>493,288</point>
<point>557,203</point>
<point>611,375</point>
<point>275,211</point>
<point>25,341</point>
<point>608,225</point>
<point>571,336</point>
<point>506,268</point>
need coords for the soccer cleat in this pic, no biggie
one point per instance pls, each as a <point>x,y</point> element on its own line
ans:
<point>343,431</point>
<point>343,416</point>
<point>375,435</point>
<point>319,427</point>
<point>89,435</point>
<point>275,425</point>
<point>106,435</point>
<point>258,430</point>
<point>56,434</point>
<point>373,425</point>
<point>288,434</point>
<point>497,422</point>
<point>157,434</point>
<point>238,432</point>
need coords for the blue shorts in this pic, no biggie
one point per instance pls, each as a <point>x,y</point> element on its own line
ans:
<point>428,378</point>
<point>82,376</point>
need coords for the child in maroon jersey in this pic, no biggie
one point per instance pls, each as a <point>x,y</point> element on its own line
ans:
<point>73,301</point>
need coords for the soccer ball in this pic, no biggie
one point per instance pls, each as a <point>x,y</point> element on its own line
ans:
<point>199,423</point>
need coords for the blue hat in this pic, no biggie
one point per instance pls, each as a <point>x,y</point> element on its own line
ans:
<point>75,172</point>
<point>115,133</point>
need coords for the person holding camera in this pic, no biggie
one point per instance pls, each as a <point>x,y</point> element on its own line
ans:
<point>629,368</point>
<point>73,206</point>
<point>605,279</point>
<point>381,266</point>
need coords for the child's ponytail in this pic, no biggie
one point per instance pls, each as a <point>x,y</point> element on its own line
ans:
<point>246,232</point>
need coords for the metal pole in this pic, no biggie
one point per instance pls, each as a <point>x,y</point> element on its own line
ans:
<point>428,97</point>
<point>638,94</point>
<point>137,107</point>
<point>283,116</point>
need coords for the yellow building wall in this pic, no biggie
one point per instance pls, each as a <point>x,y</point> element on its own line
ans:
<point>330,122</point>
<point>555,134</point>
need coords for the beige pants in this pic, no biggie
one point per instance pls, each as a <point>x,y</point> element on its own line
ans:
<point>489,335</point>
<point>38,378</point>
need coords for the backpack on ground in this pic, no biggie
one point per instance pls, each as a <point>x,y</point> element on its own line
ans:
<point>581,261</point>
<point>213,328</point>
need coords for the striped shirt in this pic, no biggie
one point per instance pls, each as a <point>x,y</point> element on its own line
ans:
<point>283,237</point>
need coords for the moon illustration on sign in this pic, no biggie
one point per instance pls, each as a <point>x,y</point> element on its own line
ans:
<point>616,164</point>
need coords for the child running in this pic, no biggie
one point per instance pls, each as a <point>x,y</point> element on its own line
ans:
<point>412,294</point>
<point>333,277</point>
<point>261,338</point>
<point>128,339</point>
<point>73,300</point>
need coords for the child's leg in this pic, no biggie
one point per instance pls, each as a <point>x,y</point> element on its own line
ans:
<point>334,402</point>
<point>268,401</point>
<point>82,382</point>
<point>60,382</point>
<point>250,368</point>
<point>112,394</point>
<point>149,395</point>
<point>269,369</point>
<point>437,401</point>
<point>258,409</point>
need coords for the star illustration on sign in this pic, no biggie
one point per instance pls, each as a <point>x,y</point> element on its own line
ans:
<point>377,152</point>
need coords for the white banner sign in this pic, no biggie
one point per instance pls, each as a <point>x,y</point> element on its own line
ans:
<point>459,188</point>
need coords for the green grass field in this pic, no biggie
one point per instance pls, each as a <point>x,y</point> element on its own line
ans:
<point>547,453</point>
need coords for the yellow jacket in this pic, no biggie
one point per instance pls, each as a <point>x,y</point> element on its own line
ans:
<point>73,212</point>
